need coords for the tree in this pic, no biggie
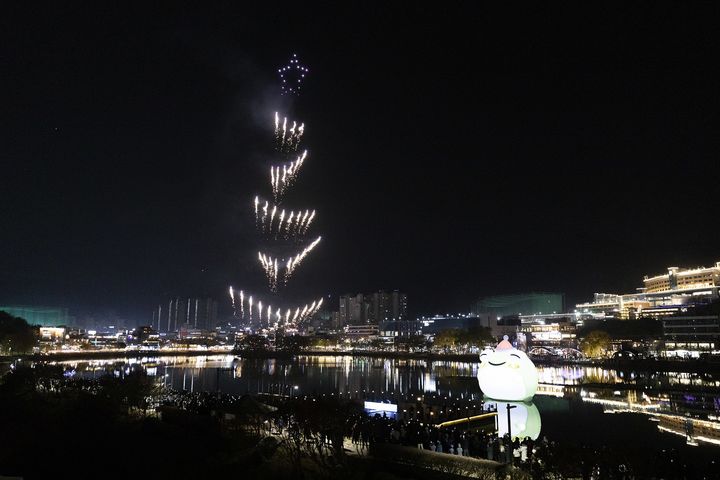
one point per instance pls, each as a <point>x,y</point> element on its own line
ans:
<point>414,343</point>
<point>252,344</point>
<point>16,336</point>
<point>377,344</point>
<point>292,344</point>
<point>595,344</point>
<point>316,431</point>
<point>131,390</point>
<point>476,336</point>
<point>446,339</point>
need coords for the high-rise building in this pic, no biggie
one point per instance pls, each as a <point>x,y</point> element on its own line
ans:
<point>374,308</point>
<point>200,313</point>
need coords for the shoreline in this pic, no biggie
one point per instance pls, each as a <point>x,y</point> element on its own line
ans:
<point>690,366</point>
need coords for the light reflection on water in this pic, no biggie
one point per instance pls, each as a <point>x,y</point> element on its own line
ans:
<point>326,374</point>
<point>567,395</point>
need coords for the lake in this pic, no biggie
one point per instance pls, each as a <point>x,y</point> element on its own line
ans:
<point>671,414</point>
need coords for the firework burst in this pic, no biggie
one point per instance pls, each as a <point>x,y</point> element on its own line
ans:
<point>265,312</point>
<point>280,224</point>
<point>283,176</point>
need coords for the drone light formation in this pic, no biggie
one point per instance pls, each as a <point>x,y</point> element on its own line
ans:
<point>292,76</point>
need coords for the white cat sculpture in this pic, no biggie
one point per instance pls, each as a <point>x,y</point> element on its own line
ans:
<point>507,373</point>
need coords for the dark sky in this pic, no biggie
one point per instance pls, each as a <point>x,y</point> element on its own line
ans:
<point>454,152</point>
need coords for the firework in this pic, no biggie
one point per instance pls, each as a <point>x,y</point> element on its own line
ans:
<point>265,211</point>
<point>309,221</point>
<point>242,301</point>
<point>271,271</point>
<point>283,176</point>
<point>277,222</point>
<point>256,306</point>
<point>280,222</point>
<point>287,140</point>
<point>302,222</point>
<point>293,262</point>
<point>232,297</point>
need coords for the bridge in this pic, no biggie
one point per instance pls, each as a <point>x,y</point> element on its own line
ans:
<point>564,352</point>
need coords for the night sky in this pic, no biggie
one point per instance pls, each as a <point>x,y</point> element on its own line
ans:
<point>454,153</point>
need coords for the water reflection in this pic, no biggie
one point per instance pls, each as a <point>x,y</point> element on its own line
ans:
<point>441,389</point>
<point>519,419</point>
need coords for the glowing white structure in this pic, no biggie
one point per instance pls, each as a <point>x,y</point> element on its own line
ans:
<point>507,373</point>
<point>524,420</point>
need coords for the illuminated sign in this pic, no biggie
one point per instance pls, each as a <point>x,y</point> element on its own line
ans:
<point>381,407</point>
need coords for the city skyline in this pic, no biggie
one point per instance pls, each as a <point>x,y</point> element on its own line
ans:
<point>491,160</point>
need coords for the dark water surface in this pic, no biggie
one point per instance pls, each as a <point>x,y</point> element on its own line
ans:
<point>662,416</point>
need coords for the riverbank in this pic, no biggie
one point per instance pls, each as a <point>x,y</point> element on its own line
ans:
<point>650,365</point>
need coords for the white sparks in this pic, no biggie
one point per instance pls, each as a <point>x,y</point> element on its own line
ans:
<point>232,297</point>
<point>296,260</point>
<point>242,301</point>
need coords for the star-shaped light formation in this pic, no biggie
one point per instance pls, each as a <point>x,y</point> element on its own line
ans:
<point>292,76</point>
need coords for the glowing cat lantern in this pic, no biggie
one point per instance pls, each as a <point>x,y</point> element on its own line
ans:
<point>507,373</point>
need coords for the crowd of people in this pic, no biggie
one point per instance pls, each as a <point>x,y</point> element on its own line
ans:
<point>366,431</point>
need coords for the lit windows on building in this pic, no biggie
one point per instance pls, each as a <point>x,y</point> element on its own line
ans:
<point>691,336</point>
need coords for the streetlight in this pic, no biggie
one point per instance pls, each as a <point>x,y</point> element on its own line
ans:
<point>508,415</point>
<point>509,446</point>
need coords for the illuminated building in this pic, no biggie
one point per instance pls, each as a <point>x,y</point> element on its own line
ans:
<point>661,295</point>
<point>373,308</point>
<point>145,336</point>
<point>196,312</point>
<point>353,310</point>
<point>551,333</point>
<point>437,323</point>
<point>683,279</point>
<point>52,334</point>
<point>517,304</point>
<point>400,328</point>
<point>691,335</point>
<point>362,331</point>
<point>39,315</point>
<point>498,326</point>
